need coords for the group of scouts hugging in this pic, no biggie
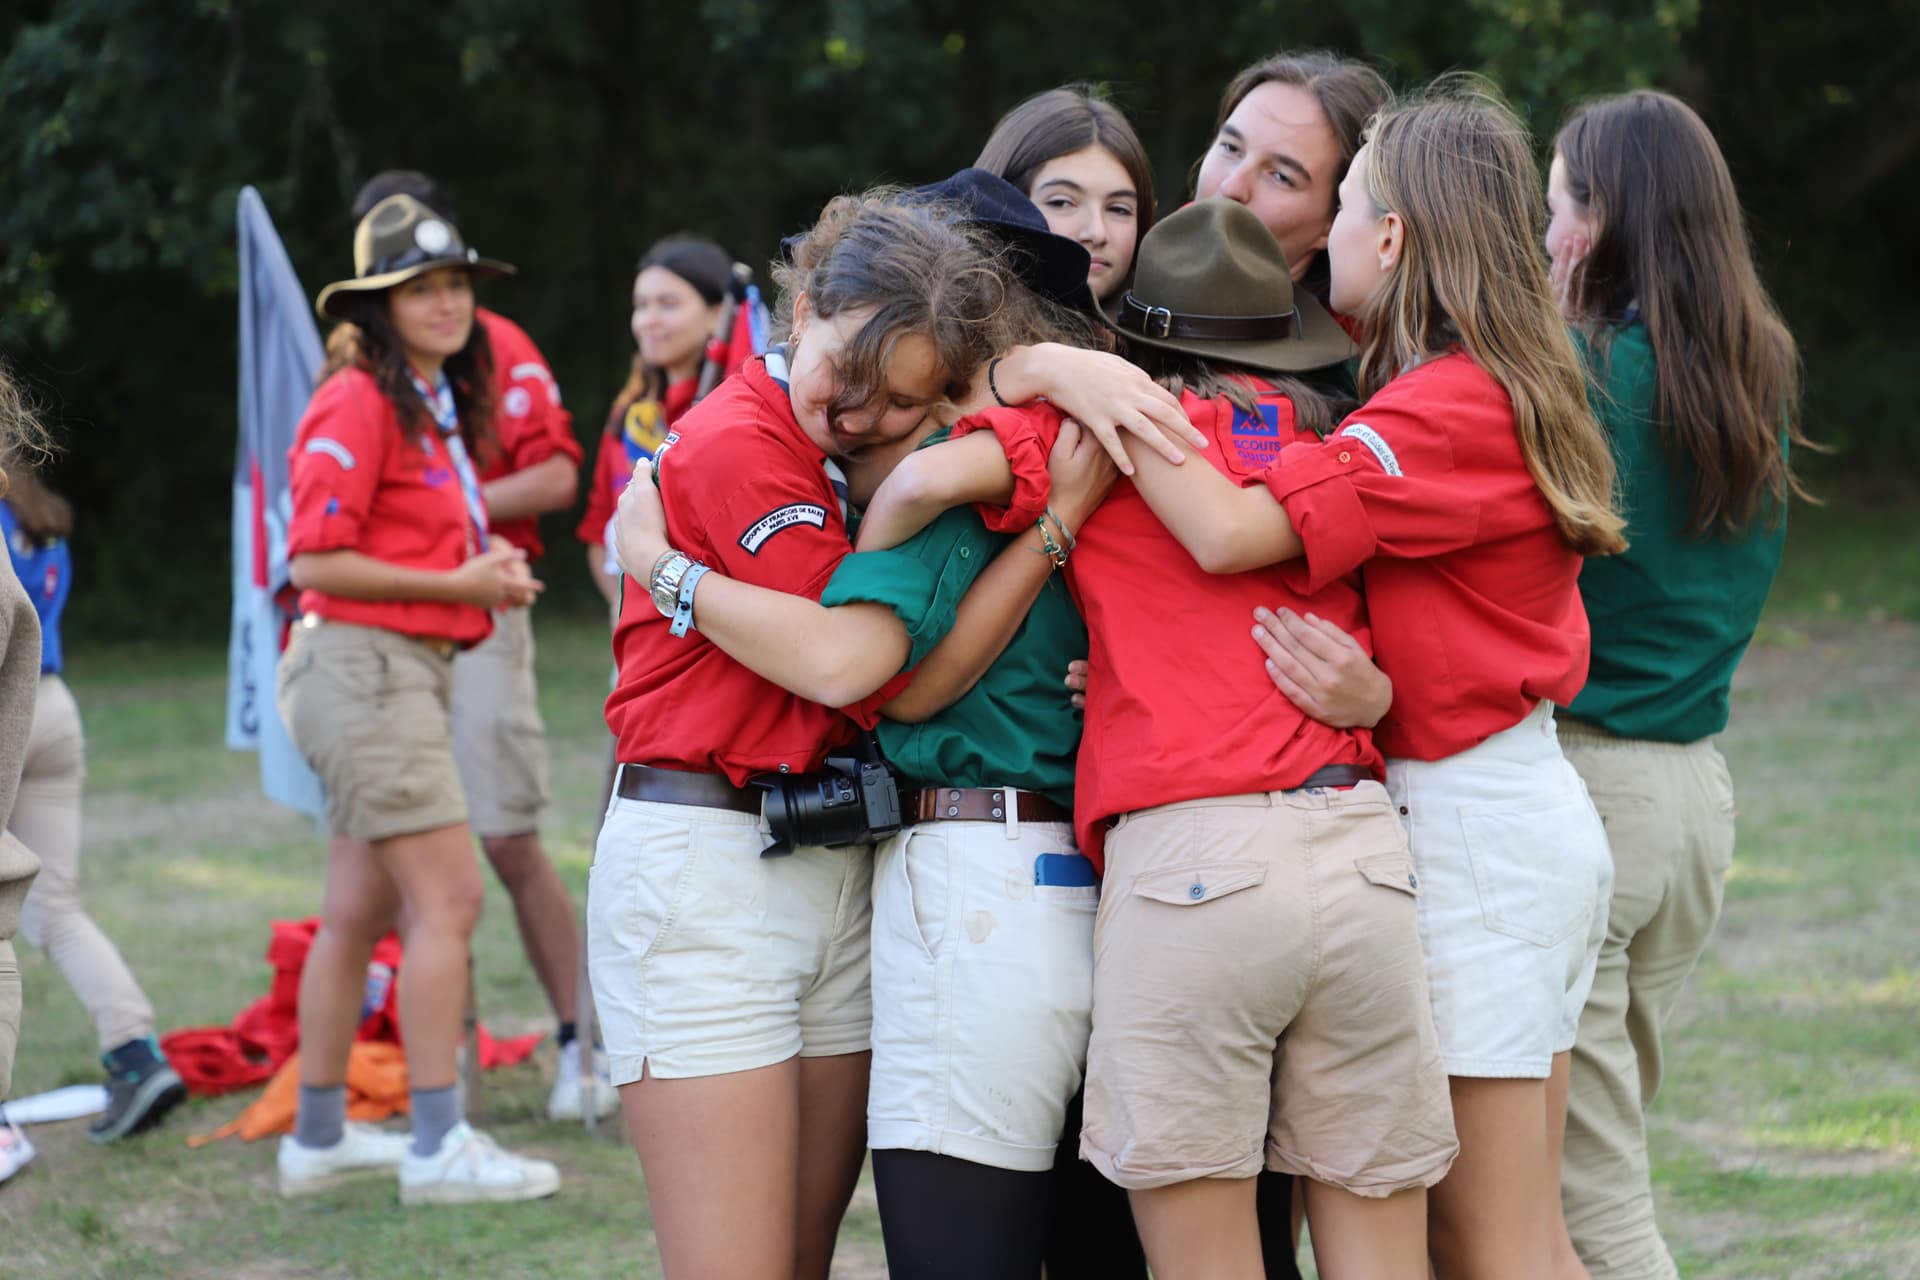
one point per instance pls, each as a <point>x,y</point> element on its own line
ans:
<point>1156,729</point>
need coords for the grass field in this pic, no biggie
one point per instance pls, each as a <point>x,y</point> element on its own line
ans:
<point>1786,1141</point>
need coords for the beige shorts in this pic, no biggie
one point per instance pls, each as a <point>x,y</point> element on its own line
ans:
<point>498,739</point>
<point>1260,998</point>
<point>707,958</point>
<point>367,707</point>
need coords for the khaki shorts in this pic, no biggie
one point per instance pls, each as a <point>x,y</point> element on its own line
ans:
<point>707,958</point>
<point>498,739</point>
<point>1260,998</point>
<point>367,707</point>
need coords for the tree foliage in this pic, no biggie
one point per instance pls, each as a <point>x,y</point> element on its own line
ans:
<point>574,132</point>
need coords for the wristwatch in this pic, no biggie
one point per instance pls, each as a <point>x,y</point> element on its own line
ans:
<point>664,583</point>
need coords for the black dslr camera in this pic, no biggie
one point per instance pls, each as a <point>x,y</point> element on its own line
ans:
<point>854,800</point>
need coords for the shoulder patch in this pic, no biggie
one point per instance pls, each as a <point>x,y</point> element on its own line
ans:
<point>333,449</point>
<point>516,402</point>
<point>530,369</point>
<point>1377,446</point>
<point>779,518</point>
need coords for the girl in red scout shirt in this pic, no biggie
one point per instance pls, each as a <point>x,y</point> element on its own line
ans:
<point>499,740</point>
<point>1469,487</point>
<point>677,299</point>
<point>734,985</point>
<point>1257,931</point>
<point>389,549</point>
<point>1080,162</point>
<point>1698,387</point>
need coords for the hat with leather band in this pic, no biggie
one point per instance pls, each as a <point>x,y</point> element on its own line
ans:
<point>399,239</point>
<point>1210,280</point>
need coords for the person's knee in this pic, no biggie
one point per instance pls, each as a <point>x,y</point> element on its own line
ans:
<point>516,859</point>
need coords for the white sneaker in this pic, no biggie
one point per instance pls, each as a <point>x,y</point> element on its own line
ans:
<point>362,1152</point>
<point>564,1103</point>
<point>471,1168</point>
<point>15,1151</point>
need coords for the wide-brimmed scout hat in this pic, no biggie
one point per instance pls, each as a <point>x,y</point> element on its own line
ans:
<point>1211,281</point>
<point>399,239</point>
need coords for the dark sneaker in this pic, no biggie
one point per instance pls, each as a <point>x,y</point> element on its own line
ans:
<point>137,1099</point>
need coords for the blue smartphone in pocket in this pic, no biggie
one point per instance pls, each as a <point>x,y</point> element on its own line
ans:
<point>1068,870</point>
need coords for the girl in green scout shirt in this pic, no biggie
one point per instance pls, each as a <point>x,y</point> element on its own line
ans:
<point>677,295</point>
<point>1696,382</point>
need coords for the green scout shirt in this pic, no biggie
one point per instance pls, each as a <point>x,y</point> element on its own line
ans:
<point>1015,727</point>
<point>1672,614</point>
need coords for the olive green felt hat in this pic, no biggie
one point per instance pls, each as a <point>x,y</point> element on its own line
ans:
<point>399,239</point>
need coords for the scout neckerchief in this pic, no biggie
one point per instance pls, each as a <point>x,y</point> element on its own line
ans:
<point>439,400</point>
<point>776,359</point>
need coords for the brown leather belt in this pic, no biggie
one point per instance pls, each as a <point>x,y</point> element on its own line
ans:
<point>979,804</point>
<point>675,786</point>
<point>1336,775</point>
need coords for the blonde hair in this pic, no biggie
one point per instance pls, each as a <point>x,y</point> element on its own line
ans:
<point>1457,166</point>
<point>23,441</point>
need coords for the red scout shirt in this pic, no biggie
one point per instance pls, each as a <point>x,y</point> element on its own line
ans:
<point>1473,592</point>
<point>362,482</point>
<point>622,445</point>
<point>527,419</point>
<point>1179,706</point>
<point>746,493</point>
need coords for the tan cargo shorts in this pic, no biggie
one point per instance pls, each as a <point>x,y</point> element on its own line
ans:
<point>499,741</point>
<point>1260,998</point>
<point>367,707</point>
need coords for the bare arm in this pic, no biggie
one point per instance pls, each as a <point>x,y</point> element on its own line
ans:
<point>1226,528</point>
<point>548,485</point>
<point>489,580</point>
<point>831,656</point>
<point>929,481</point>
<point>1105,393</point>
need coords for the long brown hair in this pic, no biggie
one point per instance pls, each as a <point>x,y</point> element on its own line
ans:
<point>918,268</point>
<point>1457,167</point>
<point>1670,240</point>
<point>1058,123</point>
<point>1350,93</point>
<point>366,339</point>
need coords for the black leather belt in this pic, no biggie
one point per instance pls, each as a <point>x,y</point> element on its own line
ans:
<point>979,804</point>
<point>675,786</point>
<point>1336,775</point>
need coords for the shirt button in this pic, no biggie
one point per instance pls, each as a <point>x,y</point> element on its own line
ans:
<point>1345,456</point>
<point>1197,892</point>
<point>965,552</point>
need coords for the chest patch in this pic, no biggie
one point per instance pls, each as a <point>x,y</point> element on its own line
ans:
<point>1375,445</point>
<point>779,518</point>
<point>1256,435</point>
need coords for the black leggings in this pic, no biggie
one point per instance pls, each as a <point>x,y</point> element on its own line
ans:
<point>944,1218</point>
